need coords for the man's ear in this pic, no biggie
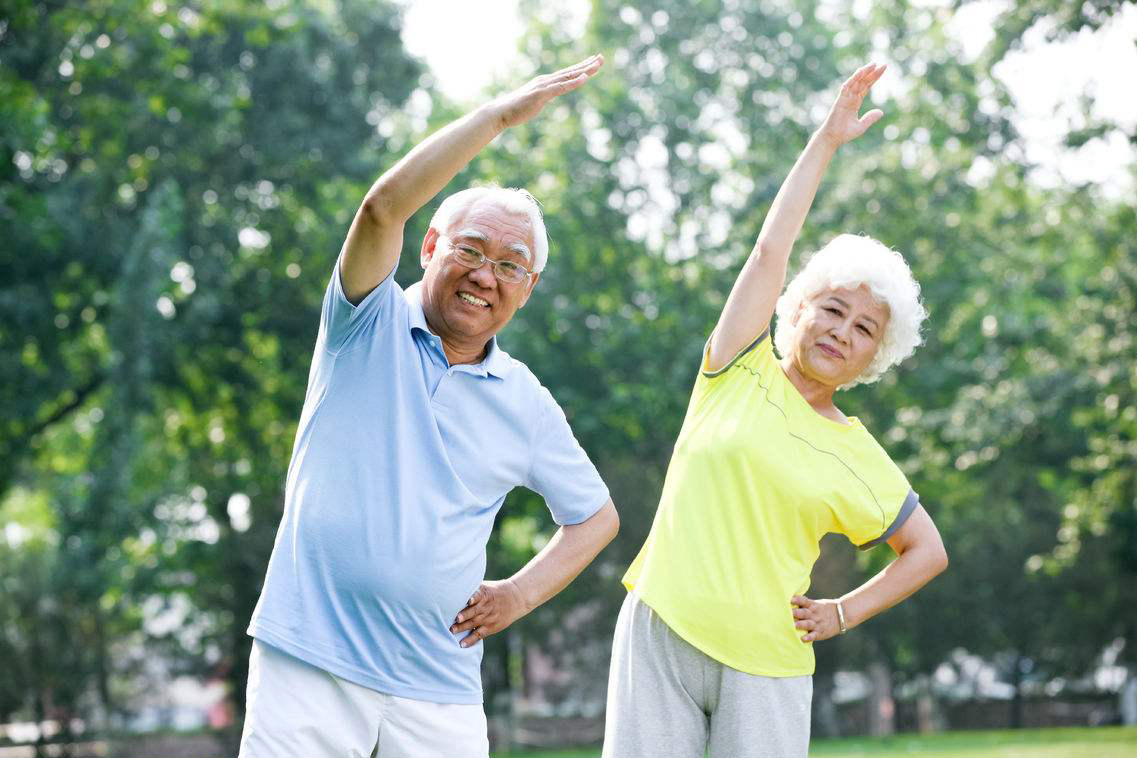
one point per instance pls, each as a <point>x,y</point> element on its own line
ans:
<point>429,246</point>
<point>529,290</point>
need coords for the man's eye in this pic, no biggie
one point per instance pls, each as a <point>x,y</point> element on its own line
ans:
<point>511,268</point>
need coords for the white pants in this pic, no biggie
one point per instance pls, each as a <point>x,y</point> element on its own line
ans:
<point>295,710</point>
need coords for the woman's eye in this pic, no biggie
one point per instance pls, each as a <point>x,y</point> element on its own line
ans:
<point>864,330</point>
<point>834,311</point>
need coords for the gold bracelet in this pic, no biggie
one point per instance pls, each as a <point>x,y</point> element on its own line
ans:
<point>841,617</point>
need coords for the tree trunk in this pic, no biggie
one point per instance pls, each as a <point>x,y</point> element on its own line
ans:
<point>927,713</point>
<point>1128,697</point>
<point>882,708</point>
<point>1017,699</point>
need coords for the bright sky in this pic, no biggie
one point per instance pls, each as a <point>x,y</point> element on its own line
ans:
<point>1046,79</point>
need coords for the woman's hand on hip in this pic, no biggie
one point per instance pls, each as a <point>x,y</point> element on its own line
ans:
<point>818,618</point>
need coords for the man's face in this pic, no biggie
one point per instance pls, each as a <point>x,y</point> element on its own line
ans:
<point>466,305</point>
<point>837,333</point>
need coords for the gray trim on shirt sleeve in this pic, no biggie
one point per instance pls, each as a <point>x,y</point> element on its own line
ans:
<point>742,352</point>
<point>906,509</point>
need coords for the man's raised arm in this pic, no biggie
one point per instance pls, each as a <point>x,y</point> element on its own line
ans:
<point>372,247</point>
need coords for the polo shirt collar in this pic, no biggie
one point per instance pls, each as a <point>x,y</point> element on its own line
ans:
<point>496,363</point>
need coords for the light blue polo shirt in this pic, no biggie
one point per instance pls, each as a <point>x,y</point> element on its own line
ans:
<point>400,464</point>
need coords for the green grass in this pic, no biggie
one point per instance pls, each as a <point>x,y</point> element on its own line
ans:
<point>1103,742</point>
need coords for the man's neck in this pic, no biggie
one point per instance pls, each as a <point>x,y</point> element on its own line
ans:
<point>460,352</point>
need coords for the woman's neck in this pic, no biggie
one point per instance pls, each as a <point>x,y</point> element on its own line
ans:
<point>818,394</point>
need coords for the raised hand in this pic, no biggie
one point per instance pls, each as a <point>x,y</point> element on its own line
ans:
<point>844,124</point>
<point>525,102</point>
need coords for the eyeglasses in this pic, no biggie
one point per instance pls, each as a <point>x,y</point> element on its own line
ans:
<point>505,271</point>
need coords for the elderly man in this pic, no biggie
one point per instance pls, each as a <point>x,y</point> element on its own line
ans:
<point>415,427</point>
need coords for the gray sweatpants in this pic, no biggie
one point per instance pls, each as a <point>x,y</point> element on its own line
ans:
<point>666,699</point>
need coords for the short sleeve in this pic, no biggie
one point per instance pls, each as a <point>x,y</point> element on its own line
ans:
<point>761,347</point>
<point>756,357</point>
<point>342,323</point>
<point>877,512</point>
<point>561,471</point>
<point>911,500</point>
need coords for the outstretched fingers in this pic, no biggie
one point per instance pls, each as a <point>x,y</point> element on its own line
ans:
<point>589,65</point>
<point>863,78</point>
<point>568,79</point>
<point>526,102</point>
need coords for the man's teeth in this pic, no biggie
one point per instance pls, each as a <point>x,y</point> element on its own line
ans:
<point>473,300</point>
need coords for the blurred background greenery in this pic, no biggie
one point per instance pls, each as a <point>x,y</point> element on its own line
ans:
<point>175,183</point>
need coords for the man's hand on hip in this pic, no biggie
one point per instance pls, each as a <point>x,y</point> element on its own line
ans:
<point>494,606</point>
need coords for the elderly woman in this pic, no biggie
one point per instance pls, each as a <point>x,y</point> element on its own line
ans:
<point>713,647</point>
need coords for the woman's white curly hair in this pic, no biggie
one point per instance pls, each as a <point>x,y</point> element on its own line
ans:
<point>850,260</point>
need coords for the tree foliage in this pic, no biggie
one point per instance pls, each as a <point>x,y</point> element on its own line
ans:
<point>175,182</point>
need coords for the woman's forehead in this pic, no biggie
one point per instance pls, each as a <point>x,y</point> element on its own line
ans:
<point>857,297</point>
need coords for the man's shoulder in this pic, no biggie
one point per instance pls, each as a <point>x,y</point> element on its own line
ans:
<point>516,372</point>
<point>524,382</point>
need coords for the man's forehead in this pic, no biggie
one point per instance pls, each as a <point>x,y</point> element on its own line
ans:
<point>489,223</point>
<point>489,210</point>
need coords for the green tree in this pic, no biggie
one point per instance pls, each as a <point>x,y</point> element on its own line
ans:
<point>177,180</point>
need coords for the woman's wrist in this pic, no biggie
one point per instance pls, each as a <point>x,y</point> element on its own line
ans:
<point>852,618</point>
<point>824,140</point>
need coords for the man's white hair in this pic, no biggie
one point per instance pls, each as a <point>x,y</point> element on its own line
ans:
<point>851,260</point>
<point>512,199</point>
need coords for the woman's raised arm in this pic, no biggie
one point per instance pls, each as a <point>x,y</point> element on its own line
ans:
<point>751,302</point>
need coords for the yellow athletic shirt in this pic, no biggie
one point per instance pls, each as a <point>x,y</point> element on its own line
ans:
<point>756,479</point>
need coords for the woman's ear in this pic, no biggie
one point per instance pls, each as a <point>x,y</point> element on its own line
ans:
<point>797,312</point>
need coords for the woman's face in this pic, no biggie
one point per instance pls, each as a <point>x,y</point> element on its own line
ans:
<point>837,333</point>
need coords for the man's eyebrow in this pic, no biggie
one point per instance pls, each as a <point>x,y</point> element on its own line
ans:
<point>475,236</point>
<point>845,305</point>
<point>472,234</point>
<point>522,249</point>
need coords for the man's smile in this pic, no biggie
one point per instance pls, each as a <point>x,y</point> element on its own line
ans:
<point>473,299</point>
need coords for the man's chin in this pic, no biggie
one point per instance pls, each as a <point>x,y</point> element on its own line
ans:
<point>466,324</point>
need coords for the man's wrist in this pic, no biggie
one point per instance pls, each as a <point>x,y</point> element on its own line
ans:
<point>519,596</point>
<point>494,114</point>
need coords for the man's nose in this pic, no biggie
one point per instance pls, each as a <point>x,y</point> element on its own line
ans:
<point>483,275</point>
